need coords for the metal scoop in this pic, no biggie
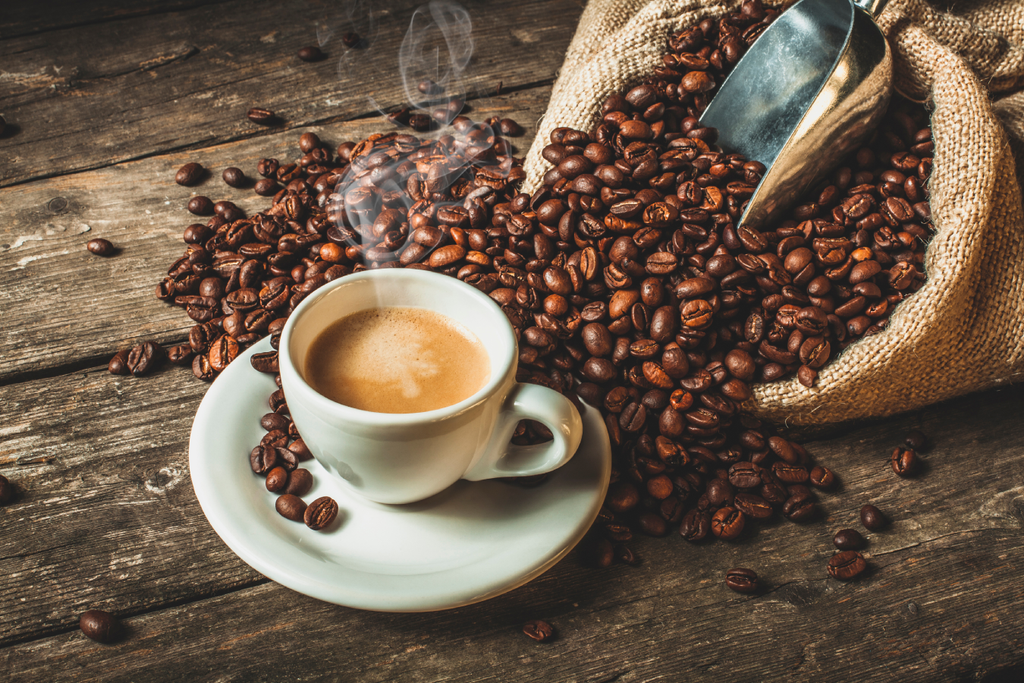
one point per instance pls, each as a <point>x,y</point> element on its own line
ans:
<point>810,89</point>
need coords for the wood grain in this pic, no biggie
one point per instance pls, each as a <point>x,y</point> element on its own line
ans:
<point>108,520</point>
<point>64,305</point>
<point>79,99</point>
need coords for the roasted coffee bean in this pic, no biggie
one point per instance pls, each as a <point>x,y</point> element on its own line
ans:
<point>742,580</point>
<point>118,365</point>
<point>180,354</point>
<point>277,479</point>
<point>265,362</point>
<point>6,490</point>
<point>311,53</point>
<point>190,174</point>
<point>320,513</point>
<point>541,631</point>
<point>727,523</point>
<point>752,506</point>
<point>263,458</point>
<point>144,358</point>
<point>846,565</point>
<point>872,518</point>
<point>917,441</point>
<point>799,507</point>
<point>822,477</point>
<point>904,462</point>
<point>103,627</point>
<point>300,482</point>
<point>234,176</point>
<point>350,39</point>
<point>200,206</point>
<point>291,507</point>
<point>101,247</point>
<point>263,117</point>
<point>222,352</point>
<point>695,525</point>
<point>848,539</point>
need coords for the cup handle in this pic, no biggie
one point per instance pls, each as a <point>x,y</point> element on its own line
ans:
<point>530,402</point>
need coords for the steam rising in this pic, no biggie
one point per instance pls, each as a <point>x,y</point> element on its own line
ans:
<point>437,48</point>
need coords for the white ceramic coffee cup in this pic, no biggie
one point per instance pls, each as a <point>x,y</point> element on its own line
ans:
<point>405,457</point>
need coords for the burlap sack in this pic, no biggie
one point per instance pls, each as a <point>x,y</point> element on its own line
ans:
<point>964,330</point>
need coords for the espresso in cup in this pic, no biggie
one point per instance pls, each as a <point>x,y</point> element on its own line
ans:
<point>397,360</point>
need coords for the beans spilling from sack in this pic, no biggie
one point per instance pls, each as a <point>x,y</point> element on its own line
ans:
<point>625,276</point>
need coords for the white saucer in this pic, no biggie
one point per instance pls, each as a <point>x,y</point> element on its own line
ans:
<point>466,544</point>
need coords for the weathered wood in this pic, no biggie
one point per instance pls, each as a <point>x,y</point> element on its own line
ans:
<point>108,520</point>
<point>106,514</point>
<point>918,629</point>
<point>145,85</point>
<point>63,305</point>
<point>23,18</point>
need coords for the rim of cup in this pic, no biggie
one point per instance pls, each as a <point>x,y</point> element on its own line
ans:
<point>501,368</point>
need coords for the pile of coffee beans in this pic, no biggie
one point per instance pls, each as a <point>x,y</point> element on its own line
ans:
<point>625,276</point>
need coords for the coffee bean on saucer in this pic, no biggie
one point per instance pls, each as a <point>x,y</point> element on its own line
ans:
<point>320,513</point>
<point>291,507</point>
<point>101,626</point>
<point>300,481</point>
<point>541,631</point>
<point>277,479</point>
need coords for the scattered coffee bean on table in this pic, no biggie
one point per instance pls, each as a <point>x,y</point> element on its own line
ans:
<point>234,177</point>
<point>538,630</point>
<point>263,117</point>
<point>101,626</point>
<point>100,247</point>
<point>872,518</point>
<point>846,565</point>
<point>917,441</point>
<point>904,462</point>
<point>311,53</point>
<point>6,490</point>
<point>742,580</point>
<point>848,539</point>
<point>350,39</point>
<point>200,206</point>
<point>190,174</point>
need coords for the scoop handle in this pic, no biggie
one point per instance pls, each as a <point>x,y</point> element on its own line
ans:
<point>872,7</point>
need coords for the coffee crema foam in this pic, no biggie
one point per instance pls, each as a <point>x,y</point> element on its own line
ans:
<point>397,360</point>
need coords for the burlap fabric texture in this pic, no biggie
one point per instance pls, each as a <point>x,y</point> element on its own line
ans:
<point>964,330</point>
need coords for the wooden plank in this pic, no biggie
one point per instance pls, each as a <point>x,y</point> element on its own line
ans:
<point>813,629</point>
<point>25,18</point>
<point>145,85</point>
<point>106,513</point>
<point>108,520</point>
<point>63,305</point>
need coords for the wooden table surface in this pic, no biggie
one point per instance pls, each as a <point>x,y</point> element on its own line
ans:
<point>104,101</point>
